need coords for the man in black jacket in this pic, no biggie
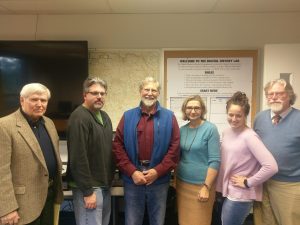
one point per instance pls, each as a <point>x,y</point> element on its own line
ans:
<point>90,164</point>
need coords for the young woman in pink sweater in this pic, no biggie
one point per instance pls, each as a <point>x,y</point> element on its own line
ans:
<point>245,163</point>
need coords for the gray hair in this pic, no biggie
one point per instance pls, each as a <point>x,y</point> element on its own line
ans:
<point>148,80</point>
<point>34,88</point>
<point>287,87</point>
<point>93,80</point>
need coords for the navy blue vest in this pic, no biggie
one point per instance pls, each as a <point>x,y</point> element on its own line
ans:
<point>163,119</point>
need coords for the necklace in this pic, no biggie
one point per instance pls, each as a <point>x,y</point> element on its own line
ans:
<point>187,134</point>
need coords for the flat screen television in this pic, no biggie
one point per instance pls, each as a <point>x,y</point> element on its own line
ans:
<point>60,65</point>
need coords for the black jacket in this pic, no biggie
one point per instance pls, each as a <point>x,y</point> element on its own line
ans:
<point>90,160</point>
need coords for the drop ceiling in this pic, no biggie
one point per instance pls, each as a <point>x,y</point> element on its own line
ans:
<point>36,7</point>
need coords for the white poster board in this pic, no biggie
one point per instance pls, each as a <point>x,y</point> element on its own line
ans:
<point>214,77</point>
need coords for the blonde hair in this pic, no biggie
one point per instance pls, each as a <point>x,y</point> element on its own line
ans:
<point>193,98</point>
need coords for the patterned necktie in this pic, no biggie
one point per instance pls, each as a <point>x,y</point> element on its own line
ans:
<point>276,119</point>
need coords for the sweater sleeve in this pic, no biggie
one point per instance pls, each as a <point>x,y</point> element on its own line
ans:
<point>264,157</point>
<point>214,149</point>
<point>8,201</point>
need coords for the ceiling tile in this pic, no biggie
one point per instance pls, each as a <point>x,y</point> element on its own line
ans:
<point>242,6</point>
<point>57,6</point>
<point>146,6</point>
<point>161,6</point>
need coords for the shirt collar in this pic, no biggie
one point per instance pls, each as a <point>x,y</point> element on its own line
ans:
<point>283,114</point>
<point>143,109</point>
<point>30,121</point>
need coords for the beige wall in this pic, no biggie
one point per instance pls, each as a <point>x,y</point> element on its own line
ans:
<point>278,59</point>
<point>132,31</point>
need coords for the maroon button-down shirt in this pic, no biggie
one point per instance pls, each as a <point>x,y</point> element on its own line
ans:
<point>145,143</point>
<point>145,136</point>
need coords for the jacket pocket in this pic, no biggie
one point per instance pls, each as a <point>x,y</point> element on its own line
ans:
<point>19,190</point>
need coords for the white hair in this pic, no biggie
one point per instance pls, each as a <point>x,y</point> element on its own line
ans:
<point>34,88</point>
<point>148,80</point>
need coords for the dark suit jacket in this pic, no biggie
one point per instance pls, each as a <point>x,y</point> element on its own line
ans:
<point>23,171</point>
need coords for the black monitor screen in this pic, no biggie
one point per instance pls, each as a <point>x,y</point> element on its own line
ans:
<point>60,65</point>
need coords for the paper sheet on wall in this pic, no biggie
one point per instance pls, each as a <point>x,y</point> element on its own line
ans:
<point>214,79</point>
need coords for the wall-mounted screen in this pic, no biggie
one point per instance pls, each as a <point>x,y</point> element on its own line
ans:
<point>60,65</point>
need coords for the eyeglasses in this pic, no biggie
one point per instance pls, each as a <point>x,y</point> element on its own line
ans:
<point>275,94</point>
<point>96,93</point>
<point>154,91</point>
<point>190,109</point>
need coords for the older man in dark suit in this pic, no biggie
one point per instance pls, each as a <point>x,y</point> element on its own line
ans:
<point>30,165</point>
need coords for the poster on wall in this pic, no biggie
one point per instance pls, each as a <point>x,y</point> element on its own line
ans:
<point>214,78</point>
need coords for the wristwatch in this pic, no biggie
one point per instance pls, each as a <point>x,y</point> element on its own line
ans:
<point>246,183</point>
<point>206,185</point>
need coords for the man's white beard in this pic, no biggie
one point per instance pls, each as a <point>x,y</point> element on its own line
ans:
<point>148,102</point>
<point>276,107</point>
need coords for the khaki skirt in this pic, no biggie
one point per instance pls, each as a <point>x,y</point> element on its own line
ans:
<point>190,210</point>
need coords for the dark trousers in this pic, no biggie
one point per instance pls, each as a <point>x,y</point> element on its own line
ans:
<point>47,215</point>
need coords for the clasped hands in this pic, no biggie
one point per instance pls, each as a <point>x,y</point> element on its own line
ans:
<point>146,177</point>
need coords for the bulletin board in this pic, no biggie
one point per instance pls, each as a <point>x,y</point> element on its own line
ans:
<point>214,75</point>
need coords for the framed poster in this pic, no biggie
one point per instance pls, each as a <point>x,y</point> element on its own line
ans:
<point>214,75</point>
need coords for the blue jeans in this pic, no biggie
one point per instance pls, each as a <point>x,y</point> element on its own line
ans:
<point>138,196</point>
<point>235,212</point>
<point>98,216</point>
